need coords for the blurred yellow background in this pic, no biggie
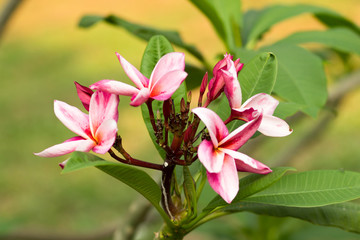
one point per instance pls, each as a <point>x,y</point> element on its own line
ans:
<point>42,53</point>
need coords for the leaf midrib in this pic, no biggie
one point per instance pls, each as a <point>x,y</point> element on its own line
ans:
<point>312,191</point>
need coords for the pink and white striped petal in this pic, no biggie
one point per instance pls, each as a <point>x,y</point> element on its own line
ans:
<point>216,127</point>
<point>70,145</point>
<point>115,87</point>
<point>165,87</point>
<point>211,158</point>
<point>137,77</point>
<point>226,182</point>
<point>262,101</point>
<point>103,106</point>
<point>274,127</point>
<point>105,136</point>
<point>244,163</point>
<point>73,118</point>
<point>141,97</point>
<point>244,114</point>
<point>241,135</point>
<point>232,89</point>
<point>174,61</point>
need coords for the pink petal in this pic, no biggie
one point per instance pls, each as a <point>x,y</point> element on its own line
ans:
<point>174,61</point>
<point>140,80</point>
<point>232,89</point>
<point>84,94</point>
<point>244,163</point>
<point>262,101</point>
<point>216,85</point>
<point>103,106</point>
<point>246,115</point>
<point>211,158</point>
<point>241,135</point>
<point>70,145</point>
<point>214,124</point>
<point>73,119</point>
<point>105,136</point>
<point>115,87</point>
<point>167,85</point>
<point>226,182</point>
<point>140,98</point>
<point>274,127</point>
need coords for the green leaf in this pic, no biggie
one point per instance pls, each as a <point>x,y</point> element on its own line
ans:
<point>249,186</point>
<point>189,189</point>
<point>335,20</point>
<point>344,215</point>
<point>285,109</point>
<point>225,18</point>
<point>311,189</point>
<point>140,31</point>
<point>301,78</point>
<point>133,177</point>
<point>195,76</point>
<point>157,47</point>
<point>258,76</point>
<point>269,16</point>
<point>341,39</point>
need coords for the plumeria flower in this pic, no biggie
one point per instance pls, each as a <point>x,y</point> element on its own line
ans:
<point>97,131</point>
<point>270,125</point>
<point>166,77</point>
<point>216,84</point>
<point>219,154</point>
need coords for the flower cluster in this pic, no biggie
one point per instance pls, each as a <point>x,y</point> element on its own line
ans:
<point>218,150</point>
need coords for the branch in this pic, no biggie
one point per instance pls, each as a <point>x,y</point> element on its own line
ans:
<point>7,12</point>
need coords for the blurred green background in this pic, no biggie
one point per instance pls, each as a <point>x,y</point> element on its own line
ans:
<point>42,53</point>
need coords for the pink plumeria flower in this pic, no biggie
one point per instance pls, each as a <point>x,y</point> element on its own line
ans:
<point>270,125</point>
<point>216,84</point>
<point>97,131</point>
<point>165,79</point>
<point>220,157</point>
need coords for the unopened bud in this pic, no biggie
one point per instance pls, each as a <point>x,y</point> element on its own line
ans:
<point>189,96</point>
<point>188,134</point>
<point>238,65</point>
<point>182,105</point>
<point>204,84</point>
<point>166,109</point>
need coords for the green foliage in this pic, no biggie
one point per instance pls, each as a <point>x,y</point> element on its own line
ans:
<point>189,190</point>
<point>301,78</point>
<point>341,39</point>
<point>259,75</point>
<point>311,189</point>
<point>140,31</point>
<point>249,186</point>
<point>133,177</point>
<point>344,215</point>
<point>225,17</point>
<point>264,19</point>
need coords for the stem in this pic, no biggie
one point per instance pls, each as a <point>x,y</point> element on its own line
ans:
<point>136,162</point>
<point>201,219</point>
<point>166,201</point>
<point>151,114</point>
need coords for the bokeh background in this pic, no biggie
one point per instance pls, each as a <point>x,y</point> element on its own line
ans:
<point>42,52</point>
